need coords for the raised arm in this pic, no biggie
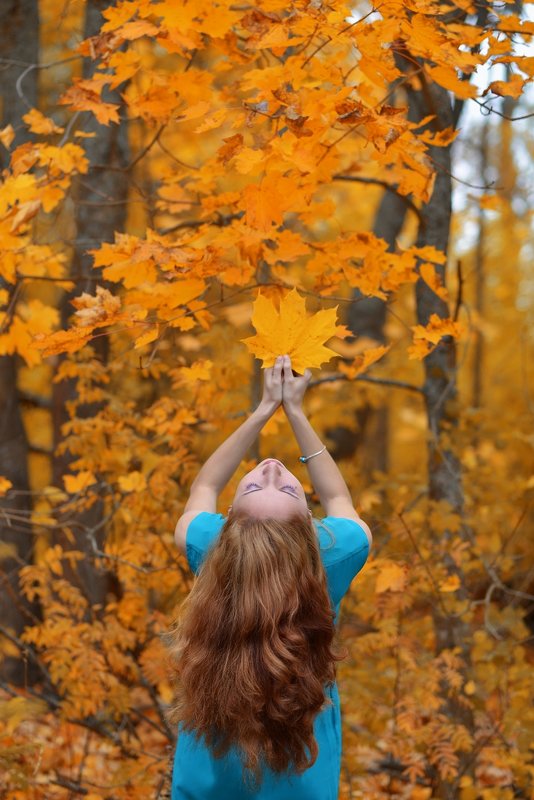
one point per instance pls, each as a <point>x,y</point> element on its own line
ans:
<point>224,461</point>
<point>324,473</point>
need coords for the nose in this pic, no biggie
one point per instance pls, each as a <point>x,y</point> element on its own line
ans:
<point>271,470</point>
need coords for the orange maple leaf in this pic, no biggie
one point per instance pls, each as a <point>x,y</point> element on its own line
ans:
<point>426,338</point>
<point>446,76</point>
<point>233,145</point>
<point>511,88</point>
<point>290,330</point>
<point>392,577</point>
<point>79,482</point>
<point>5,484</point>
<point>7,135</point>
<point>82,97</point>
<point>62,341</point>
<point>38,123</point>
<point>266,202</point>
<point>431,277</point>
<point>363,360</point>
<point>96,310</point>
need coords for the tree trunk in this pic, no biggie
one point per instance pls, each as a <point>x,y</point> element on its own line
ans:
<point>100,197</point>
<point>480,279</point>
<point>367,317</point>
<point>441,397</point>
<point>19,42</point>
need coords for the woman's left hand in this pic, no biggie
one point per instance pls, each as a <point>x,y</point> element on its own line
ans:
<point>272,385</point>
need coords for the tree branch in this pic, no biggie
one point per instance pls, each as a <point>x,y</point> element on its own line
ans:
<point>388,186</point>
<point>369,379</point>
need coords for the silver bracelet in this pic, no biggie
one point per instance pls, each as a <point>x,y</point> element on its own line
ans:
<point>307,458</point>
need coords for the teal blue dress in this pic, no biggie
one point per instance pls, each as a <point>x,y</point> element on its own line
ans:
<point>197,775</point>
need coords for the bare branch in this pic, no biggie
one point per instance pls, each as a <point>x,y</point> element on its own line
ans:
<point>491,110</point>
<point>388,186</point>
<point>369,379</point>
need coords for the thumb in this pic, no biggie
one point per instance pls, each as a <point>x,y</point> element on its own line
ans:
<point>307,375</point>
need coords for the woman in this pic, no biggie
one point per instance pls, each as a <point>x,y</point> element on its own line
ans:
<point>253,650</point>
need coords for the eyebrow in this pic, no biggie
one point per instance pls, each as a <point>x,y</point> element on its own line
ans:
<point>260,489</point>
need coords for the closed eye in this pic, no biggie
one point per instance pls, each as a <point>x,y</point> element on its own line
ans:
<point>293,489</point>
<point>256,487</point>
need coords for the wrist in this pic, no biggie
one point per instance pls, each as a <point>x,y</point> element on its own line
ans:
<point>294,412</point>
<point>266,409</point>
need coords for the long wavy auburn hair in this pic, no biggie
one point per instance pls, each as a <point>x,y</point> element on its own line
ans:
<point>254,646</point>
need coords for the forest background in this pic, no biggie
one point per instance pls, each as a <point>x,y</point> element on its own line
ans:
<point>161,164</point>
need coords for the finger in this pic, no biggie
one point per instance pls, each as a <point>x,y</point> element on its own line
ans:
<point>277,369</point>
<point>288,373</point>
<point>307,375</point>
<point>271,369</point>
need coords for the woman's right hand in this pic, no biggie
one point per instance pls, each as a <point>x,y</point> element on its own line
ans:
<point>293,388</point>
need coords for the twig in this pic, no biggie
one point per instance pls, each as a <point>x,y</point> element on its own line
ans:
<point>460,293</point>
<point>514,530</point>
<point>487,624</point>
<point>31,67</point>
<point>145,149</point>
<point>343,30</point>
<point>491,110</point>
<point>67,783</point>
<point>389,187</point>
<point>68,128</point>
<point>369,379</point>
<point>424,563</point>
<point>196,223</point>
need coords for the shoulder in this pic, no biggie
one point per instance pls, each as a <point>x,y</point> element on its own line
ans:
<point>342,537</point>
<point>348,522</point>
<point>344,547</point>
<point>195,529</point>
<point>341,507</point>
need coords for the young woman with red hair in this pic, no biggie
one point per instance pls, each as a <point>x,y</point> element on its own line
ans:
<point>253,651</point>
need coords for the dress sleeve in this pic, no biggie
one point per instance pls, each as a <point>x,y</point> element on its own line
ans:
<point>346,557</point>
<point>201,533</point>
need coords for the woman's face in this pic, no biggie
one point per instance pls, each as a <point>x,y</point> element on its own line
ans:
<point>270,490</point>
